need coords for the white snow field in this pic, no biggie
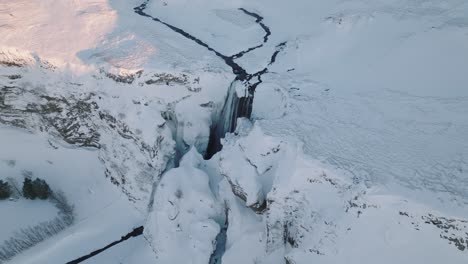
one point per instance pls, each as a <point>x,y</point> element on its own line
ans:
<point>23,209</point>
<point>354,149</point>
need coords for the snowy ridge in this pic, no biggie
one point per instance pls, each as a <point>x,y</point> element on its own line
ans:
<point>227,132</point>
<point>126,152</point>
<point>78,25</point>
<point>311,210</point>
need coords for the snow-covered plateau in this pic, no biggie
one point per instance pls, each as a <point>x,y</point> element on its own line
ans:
<point>227,132</point>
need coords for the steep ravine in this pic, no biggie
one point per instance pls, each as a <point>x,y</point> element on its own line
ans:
<point>217,255</point>
<point>235,106</point>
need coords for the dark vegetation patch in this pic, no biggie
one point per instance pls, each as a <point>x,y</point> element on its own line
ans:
<point>12,63</point>
<point>168,79</point>
<point>123,78</point>
<point>37,189</point>
<point>5,190</point>
<point>14,76</point>
<point>453,230</point>
<point>28,237</point>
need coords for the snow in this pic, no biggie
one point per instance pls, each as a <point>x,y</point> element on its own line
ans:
<point>183,216</point>
<point>79,174</point>
<point>246,163</point>
<point>399,241</point>
<point>23,209</point>
<point>233,28</point>
<point>377,89</point>
<point>356,151</point>
<point>89,21</point>
<point>76,172</point>
<point>329,217</point>
<point>244,232</point>
<point>95,230</point>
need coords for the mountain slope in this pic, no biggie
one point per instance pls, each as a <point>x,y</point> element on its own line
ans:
<point>351,144</point>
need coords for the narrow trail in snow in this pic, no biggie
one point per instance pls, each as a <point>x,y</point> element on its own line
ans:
<point>234,107</point>
<point>135,232</point>
<point>264,27</point>
<point>240,73</point>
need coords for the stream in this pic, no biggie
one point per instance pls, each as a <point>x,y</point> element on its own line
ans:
<point>235,106</point>
<point>134,233</point>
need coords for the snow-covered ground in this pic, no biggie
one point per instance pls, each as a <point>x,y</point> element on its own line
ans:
<point>17,215</point>
<point>54,29</point>
<point>323,214</point>
<point>356,151</point>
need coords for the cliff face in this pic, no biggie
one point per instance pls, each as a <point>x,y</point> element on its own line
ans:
<point>238,132</point>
